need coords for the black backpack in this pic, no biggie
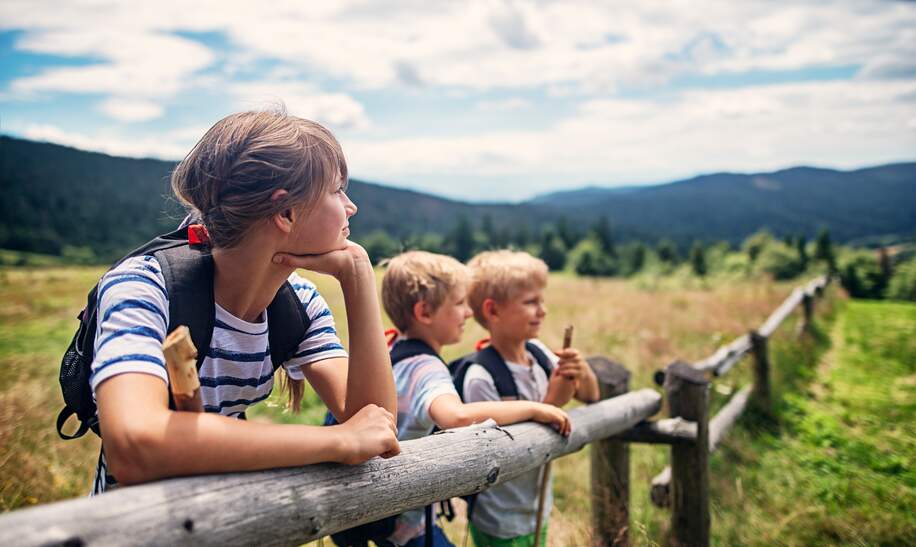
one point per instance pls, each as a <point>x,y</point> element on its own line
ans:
<point>493,362</point>
<point>188,271</point>
<point>360,536</point>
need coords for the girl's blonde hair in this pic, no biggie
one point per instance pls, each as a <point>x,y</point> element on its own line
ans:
<point>417,276</point>
<point>229,176</point>
<point>500,276</point>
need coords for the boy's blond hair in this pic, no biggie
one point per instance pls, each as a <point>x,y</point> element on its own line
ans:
<point>500,276</point>
<point>417,276</point>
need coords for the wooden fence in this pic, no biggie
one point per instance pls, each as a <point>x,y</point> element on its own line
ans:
<point>296,505</point>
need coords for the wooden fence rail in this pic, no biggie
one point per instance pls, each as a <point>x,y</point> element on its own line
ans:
<point>293,506</point>
<point>684,485</point>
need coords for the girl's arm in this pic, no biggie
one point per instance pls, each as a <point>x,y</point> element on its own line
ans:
<point>347,385</point>
<point>447,411</point>
<point>144,440</point>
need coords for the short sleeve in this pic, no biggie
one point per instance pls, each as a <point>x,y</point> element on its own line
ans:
<point>479,385</point>
<point>427,378</point>
<point>133,309</point>
<point>554,359</point>
<point>321,341</point>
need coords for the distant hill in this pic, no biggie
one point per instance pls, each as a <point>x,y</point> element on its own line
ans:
<point>729,206</point>
<point>55,197</point>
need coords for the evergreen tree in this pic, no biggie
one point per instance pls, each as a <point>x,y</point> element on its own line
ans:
<point>462,240</point>
<point>634,258</point>
<point>522,236</point>
<point>569,237</point>
<point>823,249</point>
<point>553,252</point>
<point>602,231</point>
<point>756,243</point>
<point>698,259</point>
<point>801,243</point>
<point>667,251</point>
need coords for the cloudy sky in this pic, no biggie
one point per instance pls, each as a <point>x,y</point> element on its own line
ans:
<point>481,99</point>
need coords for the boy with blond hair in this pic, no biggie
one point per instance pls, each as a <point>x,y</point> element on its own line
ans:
<point>507,297</point>
<point>424,295</point>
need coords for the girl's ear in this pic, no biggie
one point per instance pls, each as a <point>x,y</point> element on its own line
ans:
<point>490,309</point>
<point>285,218</point>
<point>421,313</point>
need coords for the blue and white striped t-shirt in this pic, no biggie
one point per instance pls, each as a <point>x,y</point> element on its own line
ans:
<point>133,315</point>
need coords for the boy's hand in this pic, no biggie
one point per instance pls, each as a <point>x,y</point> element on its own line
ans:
<point>557,417</point>
<point>370,432</point>
<point>339,263</point>
<point>571,366</point>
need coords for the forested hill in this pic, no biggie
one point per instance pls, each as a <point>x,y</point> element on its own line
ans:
<point>853,204</point>
<point>56,197</point>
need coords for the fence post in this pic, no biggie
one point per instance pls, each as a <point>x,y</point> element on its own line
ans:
<point>687,391</point>
<point>808,317</point>
<point>761,391</point>
<point>610,466</point>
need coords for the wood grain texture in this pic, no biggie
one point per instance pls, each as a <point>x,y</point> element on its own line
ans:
<point>295,505</point>
<point>610,466</point>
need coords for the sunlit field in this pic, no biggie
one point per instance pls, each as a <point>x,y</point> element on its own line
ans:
<point>760,492</point>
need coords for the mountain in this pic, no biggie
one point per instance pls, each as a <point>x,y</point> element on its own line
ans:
<point>55,197</point>
<point>729,206</point>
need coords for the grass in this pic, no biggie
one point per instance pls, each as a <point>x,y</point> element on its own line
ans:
<point>836,467</point>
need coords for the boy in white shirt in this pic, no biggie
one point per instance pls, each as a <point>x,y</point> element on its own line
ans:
<point>506,295</point>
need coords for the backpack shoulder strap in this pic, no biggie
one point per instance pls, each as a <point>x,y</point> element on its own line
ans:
<point>405,349</point>
<point>540,357</point>
<point>287,324</point>
<point>493,362</point>
<point>188,273</point>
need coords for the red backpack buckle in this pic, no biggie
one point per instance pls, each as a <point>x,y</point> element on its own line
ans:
<point>198,235</point>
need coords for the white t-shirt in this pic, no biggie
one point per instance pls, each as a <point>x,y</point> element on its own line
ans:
<point>508,510</point>
<point>237,372</point>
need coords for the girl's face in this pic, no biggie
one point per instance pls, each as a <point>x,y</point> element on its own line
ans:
<point>326,226</point>
<point>449,318</point>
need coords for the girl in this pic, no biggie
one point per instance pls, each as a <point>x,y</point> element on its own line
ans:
<point>270,190</point>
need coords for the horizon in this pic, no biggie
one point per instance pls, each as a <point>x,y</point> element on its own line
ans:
<point>434,194</point>
<point>494,101</point>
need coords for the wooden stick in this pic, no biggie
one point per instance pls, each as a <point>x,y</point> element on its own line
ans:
<point>545,476</point>
<point>181,363</point>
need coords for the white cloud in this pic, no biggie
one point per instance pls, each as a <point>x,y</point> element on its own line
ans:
<point>169,145</point>
<point>338,111</point>
<point>131,110</point>
<point>842,124</point>
<point>510,104</point>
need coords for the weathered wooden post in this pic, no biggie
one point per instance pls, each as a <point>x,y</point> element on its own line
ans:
<point>761,392</point>
<point>610,466</point>
<point>808,310</point>
<point>687,392</point>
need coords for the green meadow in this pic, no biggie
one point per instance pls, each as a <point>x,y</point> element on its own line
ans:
<point>835,467</point>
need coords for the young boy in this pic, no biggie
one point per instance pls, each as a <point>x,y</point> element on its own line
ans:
<point>506,295</point>
<point>424,294</point>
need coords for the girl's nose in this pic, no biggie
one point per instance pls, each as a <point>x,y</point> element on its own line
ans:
<point>349,206</point>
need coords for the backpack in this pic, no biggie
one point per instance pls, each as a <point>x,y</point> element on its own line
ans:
<point>493,362</point>
<point>187,267</point>
<point>359,536</point>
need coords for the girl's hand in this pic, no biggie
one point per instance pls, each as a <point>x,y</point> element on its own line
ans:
<point>571,366</point>
<point>370,432</point>
<point>339,263</point>
<point>557,417</point>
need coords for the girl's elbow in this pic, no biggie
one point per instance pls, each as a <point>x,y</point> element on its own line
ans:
<point>458,418</point>
<point>132,456</point>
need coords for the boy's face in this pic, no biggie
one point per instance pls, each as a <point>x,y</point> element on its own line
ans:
<point>447,324</point>
<point>520,317</point>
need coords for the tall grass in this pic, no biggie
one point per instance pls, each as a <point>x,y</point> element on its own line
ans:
<point>644,325</point>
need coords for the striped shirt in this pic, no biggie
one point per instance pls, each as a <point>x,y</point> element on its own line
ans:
<point>419,381</point>
<point>237,372</point>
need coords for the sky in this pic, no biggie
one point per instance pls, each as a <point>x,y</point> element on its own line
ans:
<point>479,100</point>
